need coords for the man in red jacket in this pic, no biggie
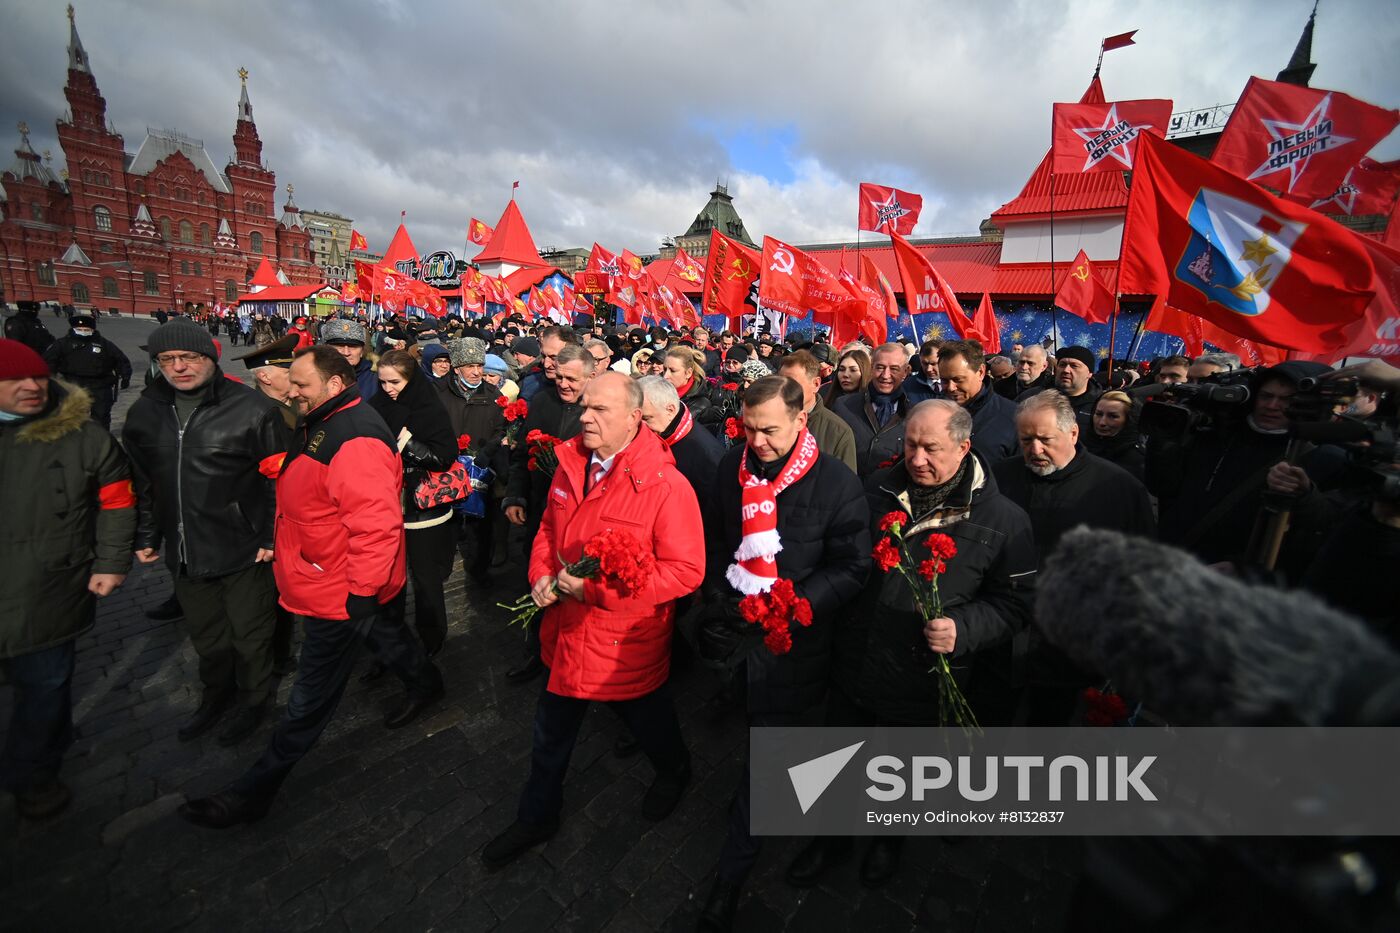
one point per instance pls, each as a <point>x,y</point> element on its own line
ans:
<point>596,642</point>
<point>338,559</point>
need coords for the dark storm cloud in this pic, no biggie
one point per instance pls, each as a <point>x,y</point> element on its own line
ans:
<point>612,115</point>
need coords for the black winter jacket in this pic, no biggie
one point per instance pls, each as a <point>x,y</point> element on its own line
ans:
<point>883,658</point>
<point>1086,491</point>
<point>207,493</point>
<point>824,525</point>
<point>432,446</point>
<point>697,397</point>
<point>525,487</point>
<point>993,425</point>
<point>874,444</point>
<point>474,412</point>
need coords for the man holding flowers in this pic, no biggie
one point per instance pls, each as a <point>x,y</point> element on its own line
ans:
<point>788,547</point>
<point>607,635</point>
<point>941,528</point>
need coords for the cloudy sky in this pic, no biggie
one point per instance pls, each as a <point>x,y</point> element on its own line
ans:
<point>618,117</point>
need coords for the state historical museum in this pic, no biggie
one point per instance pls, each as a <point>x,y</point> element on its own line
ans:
<point>163,228</point>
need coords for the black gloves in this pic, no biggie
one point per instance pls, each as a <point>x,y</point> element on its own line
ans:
<point>722,630</point>
<point>360,607</point>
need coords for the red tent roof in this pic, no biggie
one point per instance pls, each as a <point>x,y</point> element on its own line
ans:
<point>1102,192</point>
<point>969,267</point>
<point>400,249</point>
<point>266,275</point>
<point>1032,279</point>
<point>511,242</point>
<point>283,293</point>
<point>521,280</point>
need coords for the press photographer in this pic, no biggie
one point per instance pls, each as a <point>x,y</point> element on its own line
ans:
<point>1210,447</point>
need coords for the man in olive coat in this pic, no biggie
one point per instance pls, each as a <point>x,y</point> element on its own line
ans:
<point>67,541</point>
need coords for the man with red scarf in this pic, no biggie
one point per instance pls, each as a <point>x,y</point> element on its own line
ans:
<point>696,450</point>
<point>596,642</point>
<point>781,509</point>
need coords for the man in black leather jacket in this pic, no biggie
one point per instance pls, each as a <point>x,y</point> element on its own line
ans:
<point>205,454</point>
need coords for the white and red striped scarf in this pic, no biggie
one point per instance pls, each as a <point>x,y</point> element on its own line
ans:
<point>682,429</point>
<point>755,568</point>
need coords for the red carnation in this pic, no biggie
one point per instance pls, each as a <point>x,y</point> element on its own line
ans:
<point>802,612</point>
<point>531,465</point>
<point>534,436</point>
<point>931,568</point>
<point>942,547</point>
<point>730,387</point>
<point>732,428</point>
<point>886,555</point>
<point>502,401</point>
<point>464,441</point>
<point>894,520</point>
<point>778,640</point>
<point>752,609</point>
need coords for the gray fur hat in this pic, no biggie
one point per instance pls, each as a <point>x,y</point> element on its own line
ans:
<point>468,351</point>
<point>341,331</point>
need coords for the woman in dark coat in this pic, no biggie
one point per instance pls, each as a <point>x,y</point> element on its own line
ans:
<point>852,374</point>
<point>685,369</point>
<point>414,412</point>
<point>1115,436</point>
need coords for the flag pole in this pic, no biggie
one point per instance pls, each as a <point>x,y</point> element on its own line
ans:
<point>1054,312</point>
<point>1112,336</point>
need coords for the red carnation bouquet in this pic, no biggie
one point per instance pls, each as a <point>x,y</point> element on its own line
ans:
<point>615,558</point>
<point>1104,707</point>
<point>514,413</point>
<point>733,430</point>
<point>892,552</point>
<point>540,450</point>
<point>775,610</point>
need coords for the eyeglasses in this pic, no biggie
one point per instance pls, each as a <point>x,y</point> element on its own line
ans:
<point>170,359</point>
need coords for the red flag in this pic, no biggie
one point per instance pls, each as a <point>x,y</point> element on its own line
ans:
<point>1368,187</point>
<point>365,277</point>
<point>794,283</point>
<point>1300,140</point>
<point>731,268</point>
<point>1217,246</point>
<point>591,282</point>
<point>471,300</point>
<point>536,304</point>
<point>1196,332</point>
<point>888,209</point>
<point>1103,137</point>
<point>687,268</point>
<point>1377,333</point>
<point>349,291</point>
<point>601,260</point>
<point>479,233</point>
<point>866,315</point>
<point>871,275</point>
<point>1084,293</point>
<point>1122,40</point>
<point>984,327</point>
<point>924,289</point>
<point>357,241</point>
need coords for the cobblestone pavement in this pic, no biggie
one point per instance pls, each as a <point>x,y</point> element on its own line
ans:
<point>381,830</point>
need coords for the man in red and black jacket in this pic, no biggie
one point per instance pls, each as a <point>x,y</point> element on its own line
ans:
<point>339,560</point>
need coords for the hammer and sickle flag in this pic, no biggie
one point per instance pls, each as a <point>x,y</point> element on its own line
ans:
<point>731,268</point>
<point>1084,293</point>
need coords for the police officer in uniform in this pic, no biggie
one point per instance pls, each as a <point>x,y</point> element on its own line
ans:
<point>87,359</point>
<point>28,329</point>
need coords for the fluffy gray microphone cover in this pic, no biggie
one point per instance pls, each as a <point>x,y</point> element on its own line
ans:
<point>1198,647</point>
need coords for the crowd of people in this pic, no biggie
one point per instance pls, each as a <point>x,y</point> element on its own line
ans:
<point>324,476</point>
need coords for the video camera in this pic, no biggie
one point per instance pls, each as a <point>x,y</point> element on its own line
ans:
<point>1177,410</point>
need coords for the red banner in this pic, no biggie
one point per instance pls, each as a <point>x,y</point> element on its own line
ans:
<point>1214,245</point>
<point>1299,140</point>
<point>888,210</point>
<point>1103,137</point>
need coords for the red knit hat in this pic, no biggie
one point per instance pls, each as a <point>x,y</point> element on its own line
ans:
<point>18,361</point>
